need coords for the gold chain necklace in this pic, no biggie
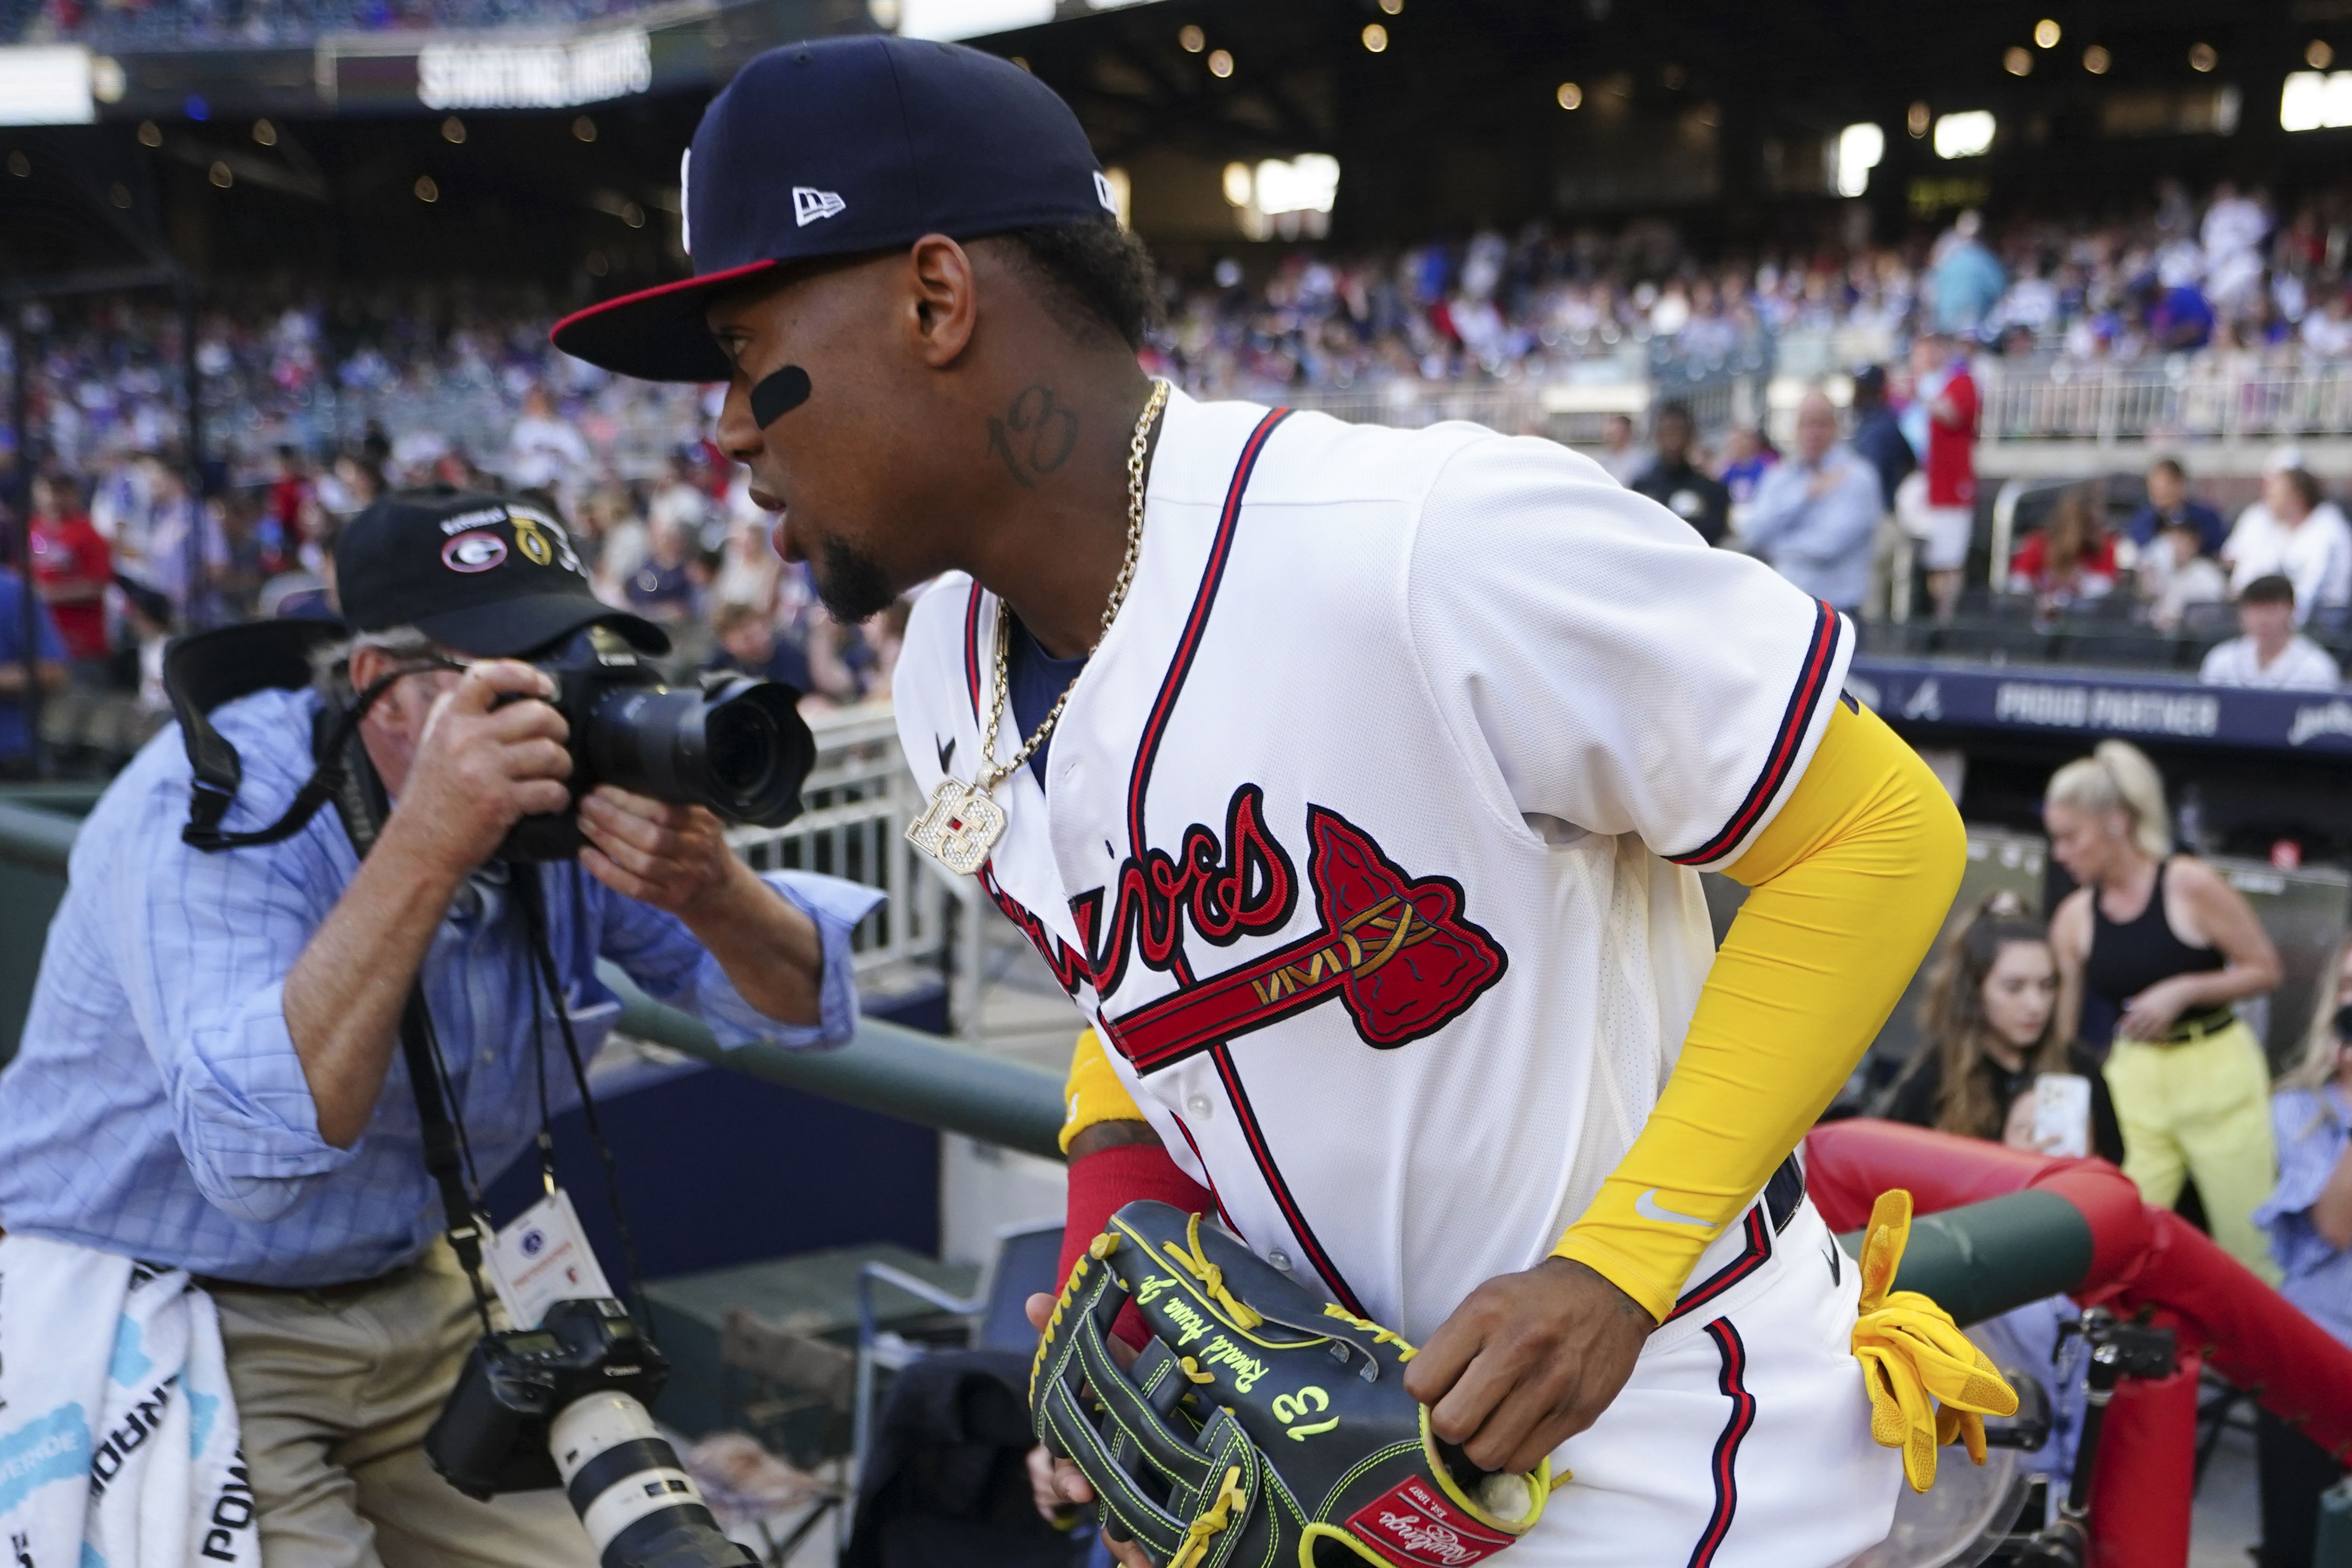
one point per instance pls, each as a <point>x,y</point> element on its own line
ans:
<point>963,822</point>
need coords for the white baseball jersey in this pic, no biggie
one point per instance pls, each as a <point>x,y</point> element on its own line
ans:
<point>1370,841</point>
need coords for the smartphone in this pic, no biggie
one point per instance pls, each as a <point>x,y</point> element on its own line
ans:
<point>2062,1113</point>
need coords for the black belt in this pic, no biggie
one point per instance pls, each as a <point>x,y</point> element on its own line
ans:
<point>1784,1192</point>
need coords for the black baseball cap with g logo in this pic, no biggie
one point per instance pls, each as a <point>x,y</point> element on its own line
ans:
<point>490,576</point>
<point>842,145</point>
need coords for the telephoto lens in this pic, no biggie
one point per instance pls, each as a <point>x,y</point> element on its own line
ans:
<point>639,1509</point>
<point>563,1405</point>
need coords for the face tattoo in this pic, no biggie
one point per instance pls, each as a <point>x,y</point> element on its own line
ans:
<point>778,395</point>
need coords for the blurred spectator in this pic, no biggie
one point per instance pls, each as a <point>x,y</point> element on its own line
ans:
<point>2309,1219</point>
<point>1679,485</point>
<point>1747,453</point>
<point>2269,652</point>
<point>72,569</point>
<point>1878,441</point>
<point>17,759</point>
<point>2170,502</point>
<point>2175,573</point>
<point>2165,945</point>
<point>544,449</point>
<point>748,645</point>
<point>186,554</point>
<point>2293,532</point>
<point>1618,454</point>
<point>1945,398</point>
<point>2069,559</point>
<point>662,587</point>
<point>1992,1028</point>
<point>1814,514</point>
<point>289,501</point>
<point>1967,279</point>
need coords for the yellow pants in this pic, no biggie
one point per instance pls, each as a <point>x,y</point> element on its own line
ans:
<point>2201,1110</point>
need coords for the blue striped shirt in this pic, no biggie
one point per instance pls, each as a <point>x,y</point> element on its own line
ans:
<point>2312,1127</point>
<point>156,1106</point>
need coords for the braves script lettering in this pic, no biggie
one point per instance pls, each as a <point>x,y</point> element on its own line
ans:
<point>1244,886</point>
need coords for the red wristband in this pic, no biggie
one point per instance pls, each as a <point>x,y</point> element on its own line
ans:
<point>1106,1181</point>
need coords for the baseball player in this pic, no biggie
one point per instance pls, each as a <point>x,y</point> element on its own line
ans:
<point>1354,782</point>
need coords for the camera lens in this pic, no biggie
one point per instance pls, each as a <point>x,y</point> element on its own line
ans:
<point>741,749</point>
<point>622,1479</point>
<point>744,749</point>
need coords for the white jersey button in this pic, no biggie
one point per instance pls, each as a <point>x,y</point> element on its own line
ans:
<point>1198,1106</point>
<point>1279,1259</point>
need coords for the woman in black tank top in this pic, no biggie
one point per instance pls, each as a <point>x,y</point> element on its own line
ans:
<point>2169,946</point>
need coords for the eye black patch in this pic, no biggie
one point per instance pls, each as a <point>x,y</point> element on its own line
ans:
<point>778,395</point>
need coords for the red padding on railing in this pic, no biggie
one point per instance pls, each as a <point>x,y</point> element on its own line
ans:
<point>2146,1483</point>
<point>1849,1164</point>
<point>2142,1258</point>
<point>2253,1336</point>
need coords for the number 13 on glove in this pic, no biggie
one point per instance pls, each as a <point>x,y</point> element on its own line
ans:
<point>1260,1425</point>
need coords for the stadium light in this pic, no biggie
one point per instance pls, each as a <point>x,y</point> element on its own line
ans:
<point>265,134</point>
<point>2314,101</point>
<point>20,166</point>
<point>2096,60</point>
<point>1571,96</point>
<point>2202,58</point>
<point>1966,134</point>
<point>1238,184</point>
<point>1392,7</point>
<point>2319,54</point>
<point>583,129</point>
<point>1306,183</point>
<point>221,175</point>
<point>150,134</point>
<point>453,131</point>
<point>1221,63</point>
<point>2046,33</point>
<point>1914,120</point>
<point>46,85</point>
<point>2017,61</point>
<point>427,189</point>
<point>1191,39</point>
<point>1859,149</point>
<point>949,20</point>
<point>1376,38</point>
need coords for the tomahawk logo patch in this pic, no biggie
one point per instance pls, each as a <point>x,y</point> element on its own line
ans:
<point>1394,950</point>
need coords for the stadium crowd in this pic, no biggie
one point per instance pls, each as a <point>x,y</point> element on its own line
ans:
<point>171,24</point>
<point>312,403</point>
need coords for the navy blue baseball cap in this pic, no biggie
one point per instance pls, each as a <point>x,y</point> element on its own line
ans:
<point>842,145</point>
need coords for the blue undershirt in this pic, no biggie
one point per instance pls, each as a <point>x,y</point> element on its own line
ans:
<point>1037,679</point>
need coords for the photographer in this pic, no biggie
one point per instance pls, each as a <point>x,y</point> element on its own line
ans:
<point>211,1076</point>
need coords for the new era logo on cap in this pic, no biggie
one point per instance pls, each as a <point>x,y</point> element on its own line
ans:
<point>810,204</point>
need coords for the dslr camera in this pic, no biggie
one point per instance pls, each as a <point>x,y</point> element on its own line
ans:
<point>564,1405</point>
<point>736,745</point>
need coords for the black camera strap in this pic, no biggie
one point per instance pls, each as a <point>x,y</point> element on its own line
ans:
<point>358,797</point>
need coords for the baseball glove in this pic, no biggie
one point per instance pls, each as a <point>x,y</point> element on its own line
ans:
<point>1261,1425</point>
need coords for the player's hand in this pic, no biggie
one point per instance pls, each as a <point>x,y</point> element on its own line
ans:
<point>1054,1484</point>
<point>1528,1361</point>
<point>2155,1010</point>
<point>2017,1131</point>
<point>666,855</point>
<point>479,767</point>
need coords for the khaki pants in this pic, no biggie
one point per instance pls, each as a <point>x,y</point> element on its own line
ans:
<point>334,1393</point>
<point>2201,1110</point>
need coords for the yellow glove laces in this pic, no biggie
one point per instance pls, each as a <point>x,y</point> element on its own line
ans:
<point>1928,1385</point>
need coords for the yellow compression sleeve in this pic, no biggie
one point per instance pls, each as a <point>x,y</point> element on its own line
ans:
<point>1850,883</point>
<point>1093,1093</point>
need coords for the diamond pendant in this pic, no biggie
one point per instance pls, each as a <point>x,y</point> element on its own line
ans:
<point>959,828</point>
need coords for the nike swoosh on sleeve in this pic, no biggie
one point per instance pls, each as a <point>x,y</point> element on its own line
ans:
<point>1648,1207</point>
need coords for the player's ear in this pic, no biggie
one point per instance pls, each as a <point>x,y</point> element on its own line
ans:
<point>943,299</point>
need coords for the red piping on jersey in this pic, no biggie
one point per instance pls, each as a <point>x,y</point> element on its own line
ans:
<point>1819,659</point>
<point>1754,1256</point>
<point>1291,1213</point>
<point>1732,1381</point>
<point>972,657</point>
<point>1155,724</point>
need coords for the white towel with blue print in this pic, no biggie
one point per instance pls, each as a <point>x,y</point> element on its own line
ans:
<point>117,1435</point>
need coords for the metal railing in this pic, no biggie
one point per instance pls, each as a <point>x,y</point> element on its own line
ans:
<point>2196,402</point>
<point>856,803</point>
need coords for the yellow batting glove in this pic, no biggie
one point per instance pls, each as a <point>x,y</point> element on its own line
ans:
<point>1915,1358</point>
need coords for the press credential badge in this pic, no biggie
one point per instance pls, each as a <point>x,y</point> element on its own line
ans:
<point>540,1258</point>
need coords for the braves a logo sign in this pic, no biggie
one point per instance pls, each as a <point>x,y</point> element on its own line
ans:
<point>1396,952</point>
